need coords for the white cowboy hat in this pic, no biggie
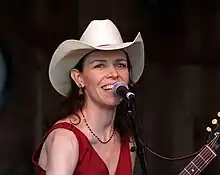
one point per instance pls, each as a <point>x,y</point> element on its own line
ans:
<point>99,35</point>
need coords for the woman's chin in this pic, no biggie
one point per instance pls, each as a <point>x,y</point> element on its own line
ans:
<point>112,104</point>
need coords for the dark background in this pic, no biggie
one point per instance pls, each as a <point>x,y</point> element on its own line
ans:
<point>178,94</point>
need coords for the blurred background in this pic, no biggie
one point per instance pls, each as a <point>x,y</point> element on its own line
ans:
<point>178,95</point>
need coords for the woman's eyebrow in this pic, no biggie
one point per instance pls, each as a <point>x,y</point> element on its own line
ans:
<point>121,59</point>
<point>117,60</point>
<point>93,61</point>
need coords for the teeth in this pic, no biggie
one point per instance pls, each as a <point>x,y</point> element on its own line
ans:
<point>107,87</point>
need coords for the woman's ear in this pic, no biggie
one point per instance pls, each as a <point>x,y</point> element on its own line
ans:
<point>77,77</point>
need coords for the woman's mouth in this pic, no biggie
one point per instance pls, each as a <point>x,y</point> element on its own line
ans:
<point>107,87</point>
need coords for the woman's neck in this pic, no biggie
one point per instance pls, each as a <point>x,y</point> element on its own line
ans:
<point>100,120</point>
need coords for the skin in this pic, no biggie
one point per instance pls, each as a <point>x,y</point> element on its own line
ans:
<point>101,68</point>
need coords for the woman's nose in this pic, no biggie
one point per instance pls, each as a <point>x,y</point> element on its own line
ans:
<point>113,72</point>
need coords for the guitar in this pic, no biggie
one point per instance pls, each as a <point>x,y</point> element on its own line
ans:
<point>207,153</point>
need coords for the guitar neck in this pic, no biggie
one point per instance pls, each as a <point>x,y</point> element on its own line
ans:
<point>205,156</point>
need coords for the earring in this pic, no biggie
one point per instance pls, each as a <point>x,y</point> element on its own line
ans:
<point>80,92</point>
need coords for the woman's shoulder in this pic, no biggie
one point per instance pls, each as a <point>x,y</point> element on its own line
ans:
<point>59,139</point>
<point>62,137</point>
<point>62,130</point>
<point>59,143</point>
<point>69,127</point>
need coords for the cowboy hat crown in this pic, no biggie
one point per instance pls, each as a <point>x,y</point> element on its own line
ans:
<point>100,33</point>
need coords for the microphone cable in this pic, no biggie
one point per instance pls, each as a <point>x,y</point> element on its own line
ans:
<point>168,158</point>
<point>155,153</point>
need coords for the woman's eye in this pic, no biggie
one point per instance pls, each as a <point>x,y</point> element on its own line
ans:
<point>122,65</point>
<point>99,66</point>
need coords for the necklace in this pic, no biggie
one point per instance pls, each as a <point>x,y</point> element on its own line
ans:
<point>103,142</point>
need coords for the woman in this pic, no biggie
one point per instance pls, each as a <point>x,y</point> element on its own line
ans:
<point>96,136</point>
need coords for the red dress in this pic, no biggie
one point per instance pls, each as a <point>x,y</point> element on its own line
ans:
<point>90,163</point>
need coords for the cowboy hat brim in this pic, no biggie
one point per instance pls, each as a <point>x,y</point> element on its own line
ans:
<point>69,52</point>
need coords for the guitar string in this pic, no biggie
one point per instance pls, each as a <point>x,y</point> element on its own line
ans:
<point>197,161</point>
<point>188,169</point>
<point>208,157</point>
<point>209,147</point>
<point>190,166</point>
<point>206,154</point>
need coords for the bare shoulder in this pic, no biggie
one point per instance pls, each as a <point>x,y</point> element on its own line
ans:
<point>59,136</point>
<point>62,135</point>
<point>62,149</point>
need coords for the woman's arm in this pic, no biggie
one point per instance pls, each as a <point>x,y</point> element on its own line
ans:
<point>62,152</point>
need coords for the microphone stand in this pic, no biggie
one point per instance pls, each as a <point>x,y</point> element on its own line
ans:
<point>140,150</point>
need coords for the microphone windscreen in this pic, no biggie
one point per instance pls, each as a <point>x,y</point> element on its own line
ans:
<point>118,85</point>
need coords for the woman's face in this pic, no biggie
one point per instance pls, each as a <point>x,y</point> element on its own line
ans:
<point>101,70</point>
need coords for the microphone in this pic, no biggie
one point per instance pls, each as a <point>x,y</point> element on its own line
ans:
<point>122,90</point>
